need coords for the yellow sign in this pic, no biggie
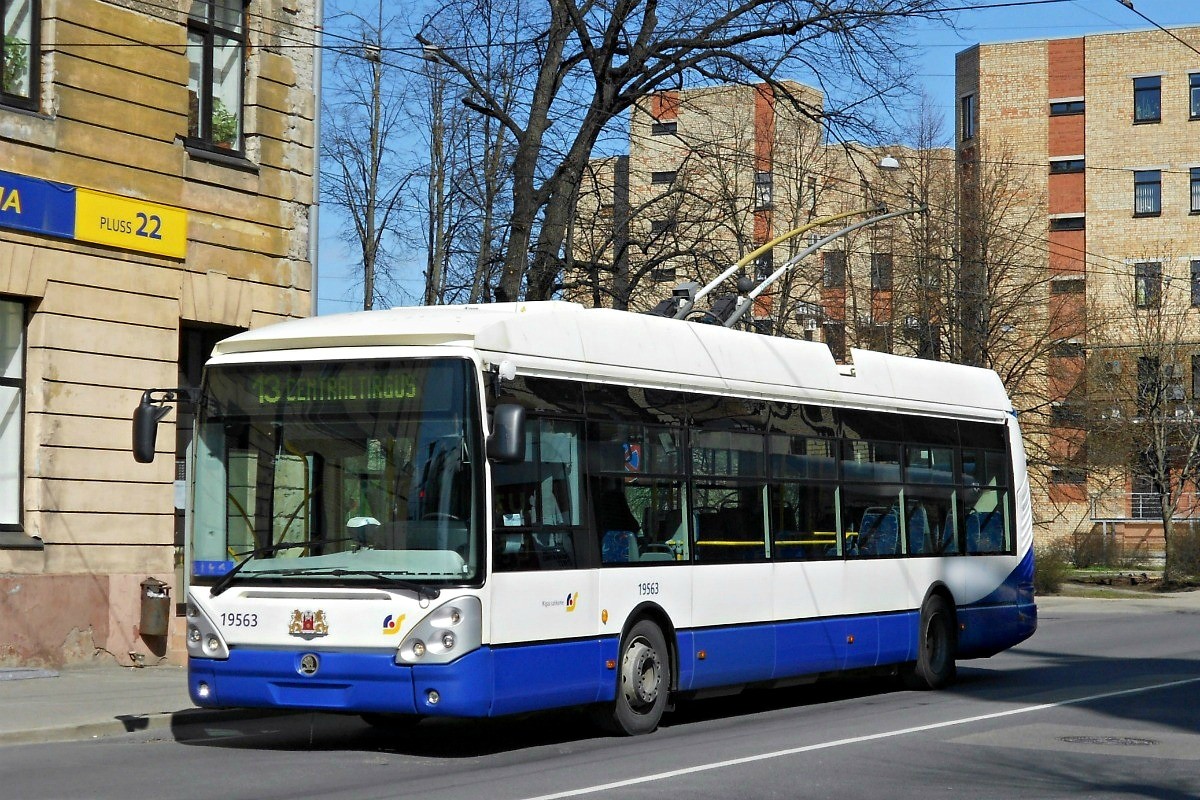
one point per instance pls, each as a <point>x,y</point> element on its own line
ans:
<point>130,224</point>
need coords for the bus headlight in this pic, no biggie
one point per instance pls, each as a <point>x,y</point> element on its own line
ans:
<point>203,638</point>
<point>453,629</point>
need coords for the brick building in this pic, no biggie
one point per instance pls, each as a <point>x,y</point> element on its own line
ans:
<point>156,193</point>
<point>1103,131</point>
<point>715,173</point>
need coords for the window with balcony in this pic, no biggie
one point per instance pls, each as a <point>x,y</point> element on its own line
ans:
<point>216,51</point>
<point>1147,193</point>
<point>22,53</point>
<point>1147,99</point>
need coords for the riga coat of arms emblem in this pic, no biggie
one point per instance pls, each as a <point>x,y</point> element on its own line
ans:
<point>308,624</point>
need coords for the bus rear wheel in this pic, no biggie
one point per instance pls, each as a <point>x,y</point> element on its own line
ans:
<point>643,682</point>
<point>934,667</point>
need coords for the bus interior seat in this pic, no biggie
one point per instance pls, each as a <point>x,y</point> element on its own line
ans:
<point>985,531</point>
<point>879,534</point>
<point>918,530</point>
<point>619,547</point>
<point>949,542</point>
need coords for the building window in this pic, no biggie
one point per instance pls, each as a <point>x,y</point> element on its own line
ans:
<point>1067,224</point>
<point>1194,184</point>
<point>663,128</point>
<point>12,376</point>
<point>810,192</point>
<point>665,177</point>
<point>216,57</point>
<point>1066,107</point>
<point>1147,99</point>
<point>967,117</point>
<point>1147,192</point>
<point>764,265</point>
<point>835,339</point>
<point>1068,476</point>
<point>22,53</point>
<point>1194,95</point>
<point>1064,166</point>
<point>1067,286</point>
<point>1067,349</point>
<point>833,272</point>
<point>1147,284</point>
<point>881,272</point>
<point>1196,283</point>
<point>662,274</point>
<point>763,190</point>
<point>660,226</point>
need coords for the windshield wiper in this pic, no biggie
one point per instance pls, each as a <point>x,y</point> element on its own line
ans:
<point>422,590</point>
<point>226,580</point>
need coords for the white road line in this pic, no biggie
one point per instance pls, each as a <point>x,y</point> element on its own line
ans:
<point>733,762</point>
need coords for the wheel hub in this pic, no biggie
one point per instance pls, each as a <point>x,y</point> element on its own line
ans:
<point>641,674</point>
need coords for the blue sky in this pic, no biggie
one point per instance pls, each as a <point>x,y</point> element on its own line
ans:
<point>938,45</point>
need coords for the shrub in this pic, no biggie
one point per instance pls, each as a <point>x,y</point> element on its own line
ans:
<point>1051,566</point>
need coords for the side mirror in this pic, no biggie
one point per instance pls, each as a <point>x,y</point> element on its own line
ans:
<point>145,426</point>
<point>507,442</point>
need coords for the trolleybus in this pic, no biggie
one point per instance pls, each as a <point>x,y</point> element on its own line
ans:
<point>474,511</point>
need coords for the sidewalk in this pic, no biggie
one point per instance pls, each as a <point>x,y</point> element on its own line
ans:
<point>92,701</point>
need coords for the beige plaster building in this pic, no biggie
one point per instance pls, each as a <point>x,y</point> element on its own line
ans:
<point>156,193</point>
<point>1105,131</point>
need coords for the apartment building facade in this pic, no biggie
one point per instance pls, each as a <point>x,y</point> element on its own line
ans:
<point>1104,132</point>
<point>714,174</point>
<point>156,194</point>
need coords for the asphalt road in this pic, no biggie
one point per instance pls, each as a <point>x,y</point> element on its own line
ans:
<point>1104,702</point>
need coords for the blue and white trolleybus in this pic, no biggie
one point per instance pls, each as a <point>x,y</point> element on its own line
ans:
<point>477,511</point>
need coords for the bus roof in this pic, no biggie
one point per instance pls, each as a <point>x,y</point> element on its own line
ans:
<point>559,338</point>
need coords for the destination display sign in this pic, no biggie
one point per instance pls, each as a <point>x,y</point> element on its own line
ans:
<point>85,215</point>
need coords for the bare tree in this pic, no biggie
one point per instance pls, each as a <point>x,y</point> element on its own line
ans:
<point>1143,423</point>
<point>583,66</point>
<point>366,174</point>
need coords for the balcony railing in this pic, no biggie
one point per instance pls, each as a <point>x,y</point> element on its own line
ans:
<point>1147,506</point>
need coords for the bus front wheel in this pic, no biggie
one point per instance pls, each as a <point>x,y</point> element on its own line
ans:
<point>643,682</point>
<point>934,668</point>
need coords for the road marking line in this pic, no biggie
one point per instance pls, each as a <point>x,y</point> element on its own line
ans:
<point>733,762</point>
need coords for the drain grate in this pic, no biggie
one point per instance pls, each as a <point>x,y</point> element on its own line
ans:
<point>1117,741</point>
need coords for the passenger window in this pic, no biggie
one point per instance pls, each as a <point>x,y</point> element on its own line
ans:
<point>537,518</point>
<point>804,522</point>
<point>728,521</point>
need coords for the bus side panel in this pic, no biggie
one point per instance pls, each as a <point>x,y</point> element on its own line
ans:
<point>733,655</point>
<point>898,637</point>
<point>807,647</point>
<point>550,675</point>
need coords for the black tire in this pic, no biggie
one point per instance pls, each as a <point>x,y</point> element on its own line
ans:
<point>643,682</point>
<point>936,645</point>
<point>391,723</point>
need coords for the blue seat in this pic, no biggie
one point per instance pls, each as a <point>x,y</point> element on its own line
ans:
<point>918,530</point>
<point>879,534</point>
<point>619,547</point>
<point>985,531</point>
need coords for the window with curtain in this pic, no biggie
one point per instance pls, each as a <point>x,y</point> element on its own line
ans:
<point>1194,187</point>
<point>1147,288</point>
<point>12,372</point>
<point>216,64</point>
<point>1147,192</point>
<point>22,52</point>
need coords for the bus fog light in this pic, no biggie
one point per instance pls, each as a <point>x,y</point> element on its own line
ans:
<point>418,648</point>
<point>193,634</point>
<point>448,640</point>
<point>212,644</point>
<point>433,697</point>
<point>202,690</point>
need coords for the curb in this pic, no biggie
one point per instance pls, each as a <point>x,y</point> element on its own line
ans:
<point>137,723</point>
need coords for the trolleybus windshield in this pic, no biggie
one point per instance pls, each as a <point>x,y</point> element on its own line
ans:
<point>338,471</point>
